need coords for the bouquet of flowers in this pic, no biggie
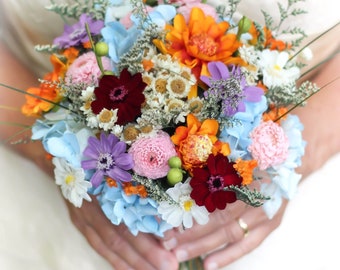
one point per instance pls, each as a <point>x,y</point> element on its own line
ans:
<point>167,112</point>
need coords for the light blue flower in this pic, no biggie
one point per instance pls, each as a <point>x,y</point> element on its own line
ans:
<point>59,141</point>
<point>284,178</point>
<point>138,214</point>
<point>159,16</point>
<point>119,39</point>
<point>238,135</point>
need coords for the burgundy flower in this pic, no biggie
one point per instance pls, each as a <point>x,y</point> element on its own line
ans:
<point>208,183</point>
<point>124,93</point>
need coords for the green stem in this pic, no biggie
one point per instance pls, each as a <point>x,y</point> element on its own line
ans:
<point>36,96</point>
<point>305,99</point>
<point>99,60</point>
<point>309,43</point>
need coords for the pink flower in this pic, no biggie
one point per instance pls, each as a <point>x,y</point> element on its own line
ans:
<point>85,69</point>
<point>269,144</point>
<point>151,155</point>
<point>186,10</point>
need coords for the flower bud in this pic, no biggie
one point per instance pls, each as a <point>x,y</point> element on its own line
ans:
<point>101,49</point>
<point>244,25</point>
<point>174,176</point>
<point>175,162</point>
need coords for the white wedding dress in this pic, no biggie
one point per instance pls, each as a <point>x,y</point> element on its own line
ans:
<point>37,234</point>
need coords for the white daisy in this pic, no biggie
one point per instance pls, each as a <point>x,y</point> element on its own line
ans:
<point>275,70</point>
<point>185,210</point>
<point>107,119</point>
<point>72,182</point>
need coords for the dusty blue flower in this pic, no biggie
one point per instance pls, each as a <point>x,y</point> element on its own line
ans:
<point>238,135</point>
<point>138,214</point>
<point>284,178</point>
<point>76,34</point>
<point>108,157</point>
<point>230,87</point>
<point>119,39</point>
<point>159,16</point>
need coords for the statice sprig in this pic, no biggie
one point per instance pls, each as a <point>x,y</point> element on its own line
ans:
<point>251,197</point>
<point>153,188</point>
<point>289,94</point>
<point>96,8</point>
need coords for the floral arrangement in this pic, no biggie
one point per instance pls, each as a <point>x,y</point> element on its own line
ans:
<point>167,112</point>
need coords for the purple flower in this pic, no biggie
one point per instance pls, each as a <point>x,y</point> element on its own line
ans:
<point>229,87</point>
<point>108,157</point>
<point>76,34</point>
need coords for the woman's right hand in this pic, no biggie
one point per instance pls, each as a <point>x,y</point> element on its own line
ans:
<point>116,244</point>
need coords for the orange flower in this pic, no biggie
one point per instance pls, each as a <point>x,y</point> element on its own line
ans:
<point>38,101</point>
<point>274,113</point>
<point>130,189</point>
<point>197,141</point>
<point>245,169</point>
<point>200,41</point>
<point>274,44</point>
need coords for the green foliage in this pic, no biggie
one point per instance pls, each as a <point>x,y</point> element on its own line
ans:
<point>251,197</point>
<point>286,12</point>
<point>94,7</point>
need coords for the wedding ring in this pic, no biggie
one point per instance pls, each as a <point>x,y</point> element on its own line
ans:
<point>243,226</point>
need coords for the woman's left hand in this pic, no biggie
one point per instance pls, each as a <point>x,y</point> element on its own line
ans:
<point>223,240</point>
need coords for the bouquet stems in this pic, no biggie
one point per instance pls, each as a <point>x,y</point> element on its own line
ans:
<point>193,264</point>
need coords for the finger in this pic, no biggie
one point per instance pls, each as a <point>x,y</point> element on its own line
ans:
<point>150,249</point>
<point>99,246</point>
<point>217,219</point>
<point>258,231</point>
<point>234,251</point>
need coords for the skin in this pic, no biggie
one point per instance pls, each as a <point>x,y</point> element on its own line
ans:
<point>124,251</point>
<point>320,119</point>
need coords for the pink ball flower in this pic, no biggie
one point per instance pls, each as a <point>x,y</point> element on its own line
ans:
<point>207,9</point>
<point>269,144</point>
<point>85,69</point>
<point>151,155</point>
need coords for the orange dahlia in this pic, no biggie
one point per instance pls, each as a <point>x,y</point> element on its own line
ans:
<point>199,41</point>
<point>197,141</point>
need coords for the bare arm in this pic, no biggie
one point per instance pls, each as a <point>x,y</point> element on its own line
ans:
<point>13,73</point>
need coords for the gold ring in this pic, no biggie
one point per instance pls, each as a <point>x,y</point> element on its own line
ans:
<point>244,227</point>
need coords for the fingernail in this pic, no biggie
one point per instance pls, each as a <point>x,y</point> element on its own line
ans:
<point>164,265</point>
<point>181,255</point>
<point>170,244</point>
<point>212,266</point>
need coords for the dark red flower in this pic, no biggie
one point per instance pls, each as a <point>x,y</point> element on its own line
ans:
<point>124,93</point>
<point>208,183</point>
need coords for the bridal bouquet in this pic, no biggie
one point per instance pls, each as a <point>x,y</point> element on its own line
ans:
<point>167,112</point>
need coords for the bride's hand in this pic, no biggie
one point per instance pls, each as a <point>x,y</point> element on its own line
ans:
<point>222,240</point>
<point>116,244</point>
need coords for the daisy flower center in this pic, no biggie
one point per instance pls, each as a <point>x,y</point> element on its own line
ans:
<point>69,179</point>
<point>118,93</point>
<point>105,161</point>
<point>215,183</point>
<point>204,43</point>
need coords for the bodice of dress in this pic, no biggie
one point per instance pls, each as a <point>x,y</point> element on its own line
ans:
<point>27,23</point>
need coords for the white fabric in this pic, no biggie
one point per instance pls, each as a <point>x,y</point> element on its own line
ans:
<point>37,234</point>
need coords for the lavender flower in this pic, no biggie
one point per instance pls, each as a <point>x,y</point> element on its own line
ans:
<point>76,34</point>
<point>229,88</point>
<point>108,157</point>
